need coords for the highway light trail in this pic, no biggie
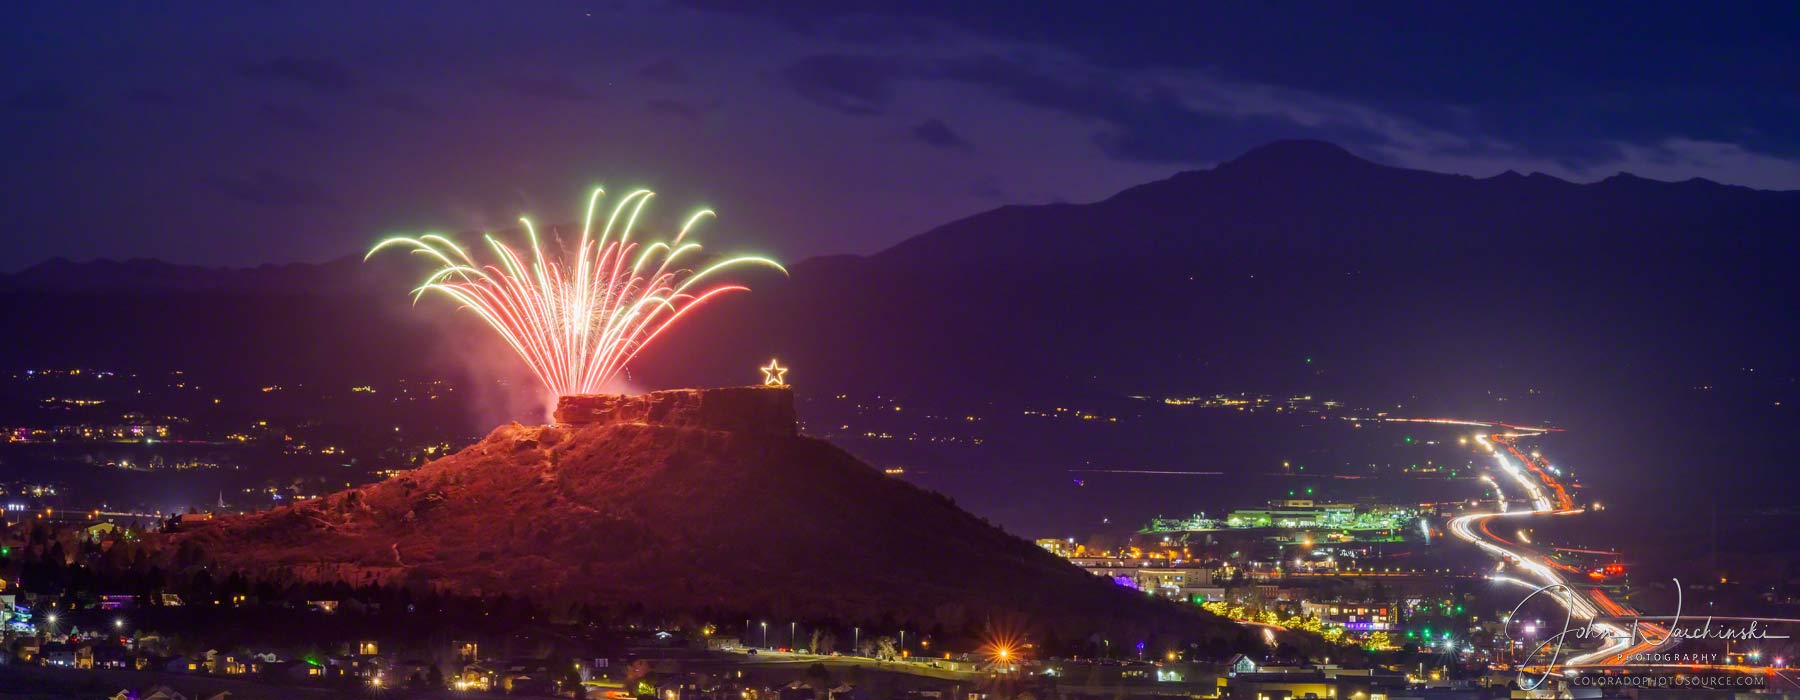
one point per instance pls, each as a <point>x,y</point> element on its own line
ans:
<point>1539,570</point>
<point>1499,496</point>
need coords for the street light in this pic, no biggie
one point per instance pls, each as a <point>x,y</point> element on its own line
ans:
<point>765,626</point>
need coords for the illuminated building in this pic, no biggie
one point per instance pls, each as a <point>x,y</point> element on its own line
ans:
<point>1355,617</point>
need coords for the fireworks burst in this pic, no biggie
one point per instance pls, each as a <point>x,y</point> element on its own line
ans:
<point>577,325</point>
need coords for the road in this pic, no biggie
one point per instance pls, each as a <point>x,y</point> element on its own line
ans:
<point>1532,567</point>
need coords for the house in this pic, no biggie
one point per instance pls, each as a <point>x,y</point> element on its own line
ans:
<point>58,654</point>
<point>303,670</point>
<point>211,660</point>
<point>260,655</point>
<point>237,664</point>
<point>117,601</point>
<point>108,656</point>
<point>26,649</point>
<point>525,676</point>
<point>182,664</point>
<point>1240,663</point>
<point>527,685</point>
<point>473,676</point>
<point>84,655</point>
<point>797,691</point>
<point>1313,684</point>
<point>364,666</point>
<point>162,692</point>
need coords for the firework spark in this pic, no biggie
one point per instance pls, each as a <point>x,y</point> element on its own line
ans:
<point>577,325</point>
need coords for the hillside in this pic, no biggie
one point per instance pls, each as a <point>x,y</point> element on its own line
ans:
<point>682,500</point>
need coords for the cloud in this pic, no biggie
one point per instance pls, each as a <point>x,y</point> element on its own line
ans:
<point>40,97</point>
<point>665,71</point>
<point>1157,119</point>
<point>936,133</point>
<point>673,109</point>
<point>275,190</point>
<point>1680,159</point>
<point>876,29</point>
<point>853,84</point>
<point>1670,160</point>
<point>546,88</point>
<point>988,188</point>
<point>1162,115</point>
<point>151,96</point>
<point>403,102</point>
<point>847,22</point>
<point>321,74</point>
<point>287,117</point>
<point>1165,119</point>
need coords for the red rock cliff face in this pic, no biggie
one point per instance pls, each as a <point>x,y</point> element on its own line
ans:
<point>754,410</point>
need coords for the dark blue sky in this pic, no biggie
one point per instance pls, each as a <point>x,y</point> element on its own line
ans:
<point>251,132</point>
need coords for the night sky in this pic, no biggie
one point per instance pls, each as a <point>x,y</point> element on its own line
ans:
<point>251,132</point>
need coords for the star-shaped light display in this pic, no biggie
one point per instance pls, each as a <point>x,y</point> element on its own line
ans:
<point>773,375</point>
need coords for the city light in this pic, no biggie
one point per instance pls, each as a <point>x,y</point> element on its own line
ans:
<point>533,446</point>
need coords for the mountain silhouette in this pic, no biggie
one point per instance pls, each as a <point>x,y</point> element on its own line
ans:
<point>1394,282</point>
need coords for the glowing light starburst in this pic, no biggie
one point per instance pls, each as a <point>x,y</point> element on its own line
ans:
<point>1003,646</point>
<point>578,325</point>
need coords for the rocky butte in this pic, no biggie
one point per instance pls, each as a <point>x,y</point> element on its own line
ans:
<point>692,500</point>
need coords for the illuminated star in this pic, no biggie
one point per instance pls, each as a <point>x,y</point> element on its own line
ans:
<point>772,374</point>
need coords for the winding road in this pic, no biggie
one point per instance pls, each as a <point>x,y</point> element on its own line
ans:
<point>1532,568</point>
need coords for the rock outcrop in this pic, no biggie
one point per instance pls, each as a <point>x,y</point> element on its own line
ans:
<point>757,410</point>
<point>679,501</point>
